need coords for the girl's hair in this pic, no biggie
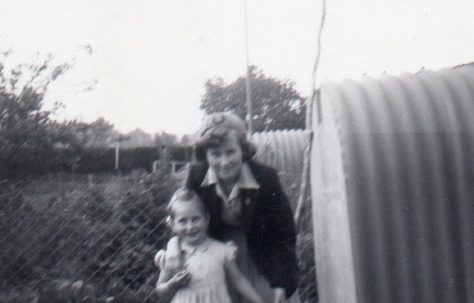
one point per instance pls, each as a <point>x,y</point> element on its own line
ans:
<point>187,196</point>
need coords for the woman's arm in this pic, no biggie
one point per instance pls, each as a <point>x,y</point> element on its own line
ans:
<point>281,239</point>
<point>241,283</point>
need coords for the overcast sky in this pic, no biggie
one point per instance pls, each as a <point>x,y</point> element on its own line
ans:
<point>151,58</point>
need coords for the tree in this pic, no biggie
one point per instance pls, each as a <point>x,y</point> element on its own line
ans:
<point>187,140</point>
<point>25,137</point>
<point>276,103</point>
<point>165,139</point>
<point>99,133</point>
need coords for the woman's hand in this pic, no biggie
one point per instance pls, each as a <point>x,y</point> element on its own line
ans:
<point>279,295</point>
<point>173,260</point>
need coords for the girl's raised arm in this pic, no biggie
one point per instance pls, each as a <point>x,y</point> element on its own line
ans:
<point>168,283</point>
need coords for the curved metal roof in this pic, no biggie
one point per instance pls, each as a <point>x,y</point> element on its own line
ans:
<point>282,149</point>
<point>400,152</point>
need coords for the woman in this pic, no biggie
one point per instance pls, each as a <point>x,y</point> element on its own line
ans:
<point>247,206</point>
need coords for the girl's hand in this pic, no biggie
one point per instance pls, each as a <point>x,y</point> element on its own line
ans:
<point>167,284</point>
<point>180,279</point>
<point>279,295</point>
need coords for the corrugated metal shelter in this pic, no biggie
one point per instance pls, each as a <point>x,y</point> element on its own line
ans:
<point>282,149</point>
<point>392,183</point>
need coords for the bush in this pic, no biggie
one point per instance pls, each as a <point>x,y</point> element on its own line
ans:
<point>105,234</point>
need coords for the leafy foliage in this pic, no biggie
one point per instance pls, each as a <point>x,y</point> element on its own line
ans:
<point>24,126</point>
<point>97,134</point>
<point>276,103</point>
<point>165,139</point>
<point>31,142</point>
<point>105,233</point>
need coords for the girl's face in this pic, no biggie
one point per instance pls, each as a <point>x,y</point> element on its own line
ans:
<point>226,159</point>
<point>189,223</point>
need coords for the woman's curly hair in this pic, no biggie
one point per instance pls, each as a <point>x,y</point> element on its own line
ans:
<point>216,130</point>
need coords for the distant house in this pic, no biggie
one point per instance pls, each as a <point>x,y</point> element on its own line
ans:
<point>137,138</point>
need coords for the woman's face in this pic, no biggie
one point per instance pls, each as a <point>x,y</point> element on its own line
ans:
<point>226,159</point>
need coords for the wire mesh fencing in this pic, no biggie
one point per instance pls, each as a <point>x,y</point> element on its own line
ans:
<point>100,236</point>
<point>284,150</point>
<point>93,239</point>
<point>308,291</point>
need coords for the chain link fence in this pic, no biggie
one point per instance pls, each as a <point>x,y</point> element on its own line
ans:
<point>90,238</point>
<point>291,181</point>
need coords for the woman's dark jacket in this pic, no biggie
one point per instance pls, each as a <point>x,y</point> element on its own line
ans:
<point>267,221</point>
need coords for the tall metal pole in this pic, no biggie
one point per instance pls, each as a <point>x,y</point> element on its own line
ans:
<point>247,79</point>
<point>117,151</point>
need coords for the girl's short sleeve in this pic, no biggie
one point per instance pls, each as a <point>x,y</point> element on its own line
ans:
<point>230,252</point>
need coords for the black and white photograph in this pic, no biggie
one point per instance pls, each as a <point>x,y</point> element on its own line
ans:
<point>238,151</point>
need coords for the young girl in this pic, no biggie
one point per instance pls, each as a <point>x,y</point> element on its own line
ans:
<point>204,266</point>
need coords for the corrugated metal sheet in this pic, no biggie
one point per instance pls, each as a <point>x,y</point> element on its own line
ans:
<point>282,149</point>
<point>393,175</point>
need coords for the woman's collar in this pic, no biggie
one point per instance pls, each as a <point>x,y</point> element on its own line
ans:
<point>246,178</point>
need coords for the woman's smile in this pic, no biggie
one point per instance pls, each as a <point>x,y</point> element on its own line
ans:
<point>226,159</point>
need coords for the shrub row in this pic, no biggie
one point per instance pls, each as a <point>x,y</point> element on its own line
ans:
<point>87,160</point>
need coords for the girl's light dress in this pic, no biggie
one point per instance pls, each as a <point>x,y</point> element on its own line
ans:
<point>206,265</point>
